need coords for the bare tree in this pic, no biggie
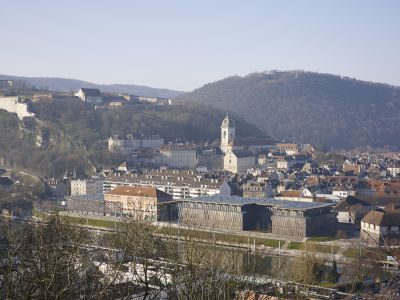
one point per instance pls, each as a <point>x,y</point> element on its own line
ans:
<point>144,256</point>
<point>43,261</point>
<point>204,271</point>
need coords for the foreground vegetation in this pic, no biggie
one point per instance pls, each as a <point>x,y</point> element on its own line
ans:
<point>241,240</point>
<point>57,261</point>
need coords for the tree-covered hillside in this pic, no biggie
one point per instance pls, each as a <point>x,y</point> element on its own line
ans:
<point>71,134</point>
<point>310,107</point>
<point>191,122</point>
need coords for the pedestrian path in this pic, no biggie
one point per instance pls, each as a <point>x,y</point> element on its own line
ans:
<point>285,245</point>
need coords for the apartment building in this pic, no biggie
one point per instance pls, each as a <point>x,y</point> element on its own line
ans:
<point>138,202</point>
<point>86,187</point>
<point>178,183</point>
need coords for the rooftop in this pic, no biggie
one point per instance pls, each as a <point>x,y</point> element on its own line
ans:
<point>235,200</point>
<point>168,177</point>
<point>373,201</point>
<point>137,192</point>
<point>382,218</point>
<point>178,147</point>
<point>242,153</point>
<point>91,92</point>
<point>89,197</point>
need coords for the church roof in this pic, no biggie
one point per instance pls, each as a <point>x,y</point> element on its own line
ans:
<point>242,153</point>
<point>134,191</point>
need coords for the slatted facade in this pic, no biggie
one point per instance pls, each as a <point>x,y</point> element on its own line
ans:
<point>211,215</point>
<point>92,204</point>
<point>280,217</point>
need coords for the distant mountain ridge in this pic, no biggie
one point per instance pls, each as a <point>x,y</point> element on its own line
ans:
<point>67,85</point>
<point>309,107</point>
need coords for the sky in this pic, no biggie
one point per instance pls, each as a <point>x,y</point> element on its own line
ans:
<point>185,44</point>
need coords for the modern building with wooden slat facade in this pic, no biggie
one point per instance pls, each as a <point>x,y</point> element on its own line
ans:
<point>281,217</point>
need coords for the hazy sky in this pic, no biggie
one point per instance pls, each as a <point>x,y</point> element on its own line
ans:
<point>185,44</point>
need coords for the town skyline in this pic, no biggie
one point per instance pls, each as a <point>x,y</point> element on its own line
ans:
<point>200,150</point>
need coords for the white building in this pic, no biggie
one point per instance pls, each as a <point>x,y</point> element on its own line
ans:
<point>16,105</point>
<point>282,164</point>
<point>92,96</point>
<point>178,156</point>
<point>239,161</point>
<point>381,227</point>
<point>394,170</point>
<point>178,183</point>
<point>342,192</point>
<point>86,187</point>
<point>303,195</point>
<point>288,148</point>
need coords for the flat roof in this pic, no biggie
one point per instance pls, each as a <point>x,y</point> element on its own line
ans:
<point>236,200</point>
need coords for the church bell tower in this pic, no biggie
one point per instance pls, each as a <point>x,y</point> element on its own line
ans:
<point>227,132</point>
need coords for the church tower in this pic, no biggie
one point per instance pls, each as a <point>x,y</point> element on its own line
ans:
<point>227,132</point>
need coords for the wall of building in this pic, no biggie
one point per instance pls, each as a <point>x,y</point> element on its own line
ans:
<point>230,162</point>
<point>94,99</point>
<point>370,234</point>
<point>211,160</point>
<point>257,217</point>
<point>287,225</point>
<point>13,105</point>
<point>245,163</point>
<point>235,164</point>
<point>178,158</point>
<point>210,215</point>
<point>153,143</point>
<point>86,187</point>
<point>138,207</point>
<point>374,234</point>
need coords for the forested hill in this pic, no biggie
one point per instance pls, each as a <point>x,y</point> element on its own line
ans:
<point>71,134</point>
<point>68,85</point>
<point>310,107</point>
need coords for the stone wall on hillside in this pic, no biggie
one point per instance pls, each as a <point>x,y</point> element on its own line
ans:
<point>15,105</point>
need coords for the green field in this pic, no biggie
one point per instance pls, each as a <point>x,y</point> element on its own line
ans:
<point>351,252</point>
<point>321,238</point>
<point>296,246</point>
<point>91,222</point>
<point>210,236</point>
